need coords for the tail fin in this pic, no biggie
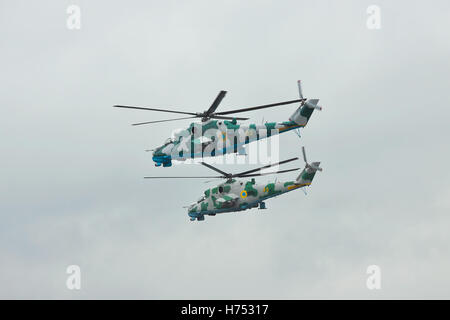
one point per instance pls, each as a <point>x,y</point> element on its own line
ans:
<point>304,112</point>
<point>307,175</point>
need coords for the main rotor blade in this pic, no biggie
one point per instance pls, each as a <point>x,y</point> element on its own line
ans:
<point>154,109</point>
<point>268,166</point>
<point>213,117</point>
<point>259,107</point>
<point>267,173</point>
<point>216,103</point>
<point>214,179</point>
<point>138,124</point>
<point>215,169</point>
<point>183,177</point>
<point>228,118</point>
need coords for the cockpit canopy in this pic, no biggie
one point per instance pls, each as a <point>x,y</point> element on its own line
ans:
<point>180,133</point>
<point>201,199</point>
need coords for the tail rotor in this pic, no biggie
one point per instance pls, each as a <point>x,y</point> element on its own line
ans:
<point>307,175</point>
<point>314,165</point>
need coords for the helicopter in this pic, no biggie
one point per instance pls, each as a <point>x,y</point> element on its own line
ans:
<point>236,195</point>
<point>218,133</point>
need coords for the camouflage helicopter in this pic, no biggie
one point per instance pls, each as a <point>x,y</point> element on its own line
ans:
<point>237,195</point>
<point>218,133</point>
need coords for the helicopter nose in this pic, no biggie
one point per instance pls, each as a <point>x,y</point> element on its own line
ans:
<point>162,159</point>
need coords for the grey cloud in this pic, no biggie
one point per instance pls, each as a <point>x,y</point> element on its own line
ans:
<point>72,190</point>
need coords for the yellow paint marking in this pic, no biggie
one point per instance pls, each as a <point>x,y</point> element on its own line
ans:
<point>295,186</point>
<point>288,127</point>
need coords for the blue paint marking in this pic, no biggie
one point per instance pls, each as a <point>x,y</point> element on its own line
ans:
<point>166,161</point>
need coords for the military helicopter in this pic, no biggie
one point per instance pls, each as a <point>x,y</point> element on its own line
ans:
<point>218,133</point>
<point>237,195</point>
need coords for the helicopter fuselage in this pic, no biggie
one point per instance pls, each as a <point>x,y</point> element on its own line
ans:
<point>216,137</point>
<point>239,195</point>
<point>219,133</point>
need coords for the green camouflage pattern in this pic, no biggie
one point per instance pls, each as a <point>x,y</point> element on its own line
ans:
<point>238,195</point>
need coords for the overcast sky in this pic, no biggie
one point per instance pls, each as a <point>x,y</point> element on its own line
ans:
<point>72,192</point>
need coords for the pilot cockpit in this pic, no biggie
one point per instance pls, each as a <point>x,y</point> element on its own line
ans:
<point>201,199</point>
<point>180,133</point>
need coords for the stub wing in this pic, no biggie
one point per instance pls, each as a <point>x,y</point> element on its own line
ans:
<point>227,201</point>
